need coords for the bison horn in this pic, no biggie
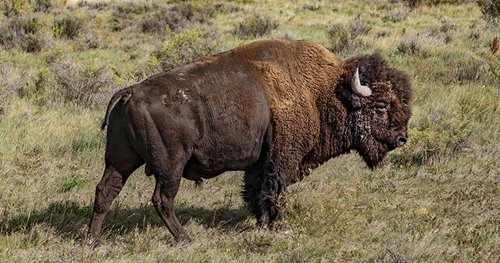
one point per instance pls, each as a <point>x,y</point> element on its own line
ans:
<point>363,91</point>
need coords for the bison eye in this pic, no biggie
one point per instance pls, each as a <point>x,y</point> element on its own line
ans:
<point>380,107</point>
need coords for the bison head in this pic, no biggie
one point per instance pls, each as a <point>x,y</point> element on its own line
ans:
<point>378,101</point>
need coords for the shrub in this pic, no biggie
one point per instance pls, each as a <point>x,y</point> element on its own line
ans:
<point>242,1</point>
<point>32,43</point>
<point>339,37</point>
<point>312,6</point>
<point>42,5</point>
<point>82,84</point>
<point>409,46</point>
<point>177,17</point>
<point>416,3</point>
<point>413,3</point>
<point>255,26</point>
<point>124,12</point>
<point>358,28</point>
<point>449,2</point>
<point>469,69</point>
<point>289,36</point>
<point>382,33</point>
<point>493,59</point>
<point>431,144</point>
<point>22,31</point>
<point>228,8</point>
<point>117,24</point>
<point>438,134</point>
<point>30,25</point>
<point>490,9</point>
<point>68,26</point>
<point>447,25</point>
<point>395,16</point>
<point>93,40</point>
<point>35,89</point>
<point>132,8</point>
<point>17,27</point>
<point>97,5</point>
<point>447,66</point>
<point>11,7</point>
<point>183,48</point>
<point>11,80</point>
<point>343,37</point>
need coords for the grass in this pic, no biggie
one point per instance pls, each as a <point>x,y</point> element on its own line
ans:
<point>435,200</point>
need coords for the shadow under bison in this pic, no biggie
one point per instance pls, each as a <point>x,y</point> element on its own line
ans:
<point>68,219</point>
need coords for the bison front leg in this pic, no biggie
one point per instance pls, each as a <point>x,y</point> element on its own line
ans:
<point>273,184</point>
<point>163,200</point>
<point>251,191</point>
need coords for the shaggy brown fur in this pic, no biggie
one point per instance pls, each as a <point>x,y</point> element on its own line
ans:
<point>275,109</point>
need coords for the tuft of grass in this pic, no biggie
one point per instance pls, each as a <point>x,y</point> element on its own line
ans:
<point>67,208</point>
<point>74,182</point>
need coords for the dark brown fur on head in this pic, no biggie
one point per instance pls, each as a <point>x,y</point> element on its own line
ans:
<point>380,121</point>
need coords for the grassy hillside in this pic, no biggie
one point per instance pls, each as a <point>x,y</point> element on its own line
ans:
<point>435,200</point>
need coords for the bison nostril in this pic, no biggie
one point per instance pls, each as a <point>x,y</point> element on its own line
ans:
<point>402,141</point>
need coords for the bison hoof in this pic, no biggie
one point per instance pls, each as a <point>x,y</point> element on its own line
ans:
<point>199,184</point>
<point>183,239</point>
<point>271,223</point>
<point>278,225</point>
<point>92,241</point>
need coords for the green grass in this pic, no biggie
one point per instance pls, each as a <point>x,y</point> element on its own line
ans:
<point>435,200</point>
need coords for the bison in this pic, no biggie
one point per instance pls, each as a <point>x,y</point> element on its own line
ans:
<point>275,109</point>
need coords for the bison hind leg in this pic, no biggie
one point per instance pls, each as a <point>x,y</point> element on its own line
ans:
<point>114,178</point>
<point>167,169</point>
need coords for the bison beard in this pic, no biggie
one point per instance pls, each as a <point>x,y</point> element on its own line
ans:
<point>274,109</point>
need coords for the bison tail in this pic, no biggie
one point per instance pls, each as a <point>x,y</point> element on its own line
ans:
<point>125,93</point>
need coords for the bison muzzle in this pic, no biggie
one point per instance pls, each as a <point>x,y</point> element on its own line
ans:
<point>274,109</point>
